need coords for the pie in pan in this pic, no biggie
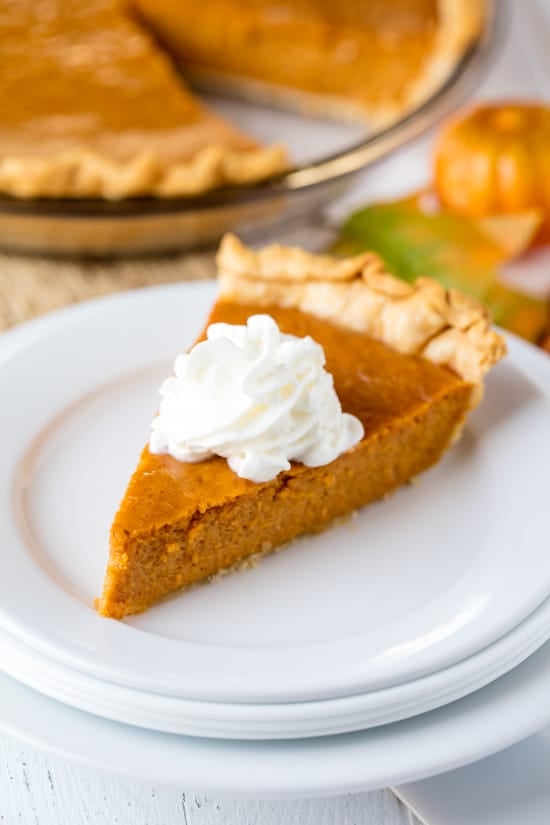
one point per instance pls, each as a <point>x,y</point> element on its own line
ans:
<point>95,101</point>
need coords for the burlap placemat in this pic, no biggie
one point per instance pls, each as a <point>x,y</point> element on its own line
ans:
<point>33,286</point>
<point>30,287</point>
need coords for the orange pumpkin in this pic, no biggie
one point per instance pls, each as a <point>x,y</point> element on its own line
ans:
<point>494,160</point>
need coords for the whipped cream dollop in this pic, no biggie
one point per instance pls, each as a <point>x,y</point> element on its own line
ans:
<point>256,397</point>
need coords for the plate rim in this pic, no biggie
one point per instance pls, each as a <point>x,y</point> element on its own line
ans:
<point>342,715</point>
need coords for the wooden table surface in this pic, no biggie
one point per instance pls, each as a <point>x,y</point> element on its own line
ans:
<point>37,789</point>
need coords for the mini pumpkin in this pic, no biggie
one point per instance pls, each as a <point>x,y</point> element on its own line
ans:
<point>495,160</point>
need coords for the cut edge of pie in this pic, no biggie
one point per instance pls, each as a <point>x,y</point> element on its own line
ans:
<point>179,524</point>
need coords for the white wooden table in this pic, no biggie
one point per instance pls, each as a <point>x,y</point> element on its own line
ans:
<point>36,789</point>
<point>39,790</point>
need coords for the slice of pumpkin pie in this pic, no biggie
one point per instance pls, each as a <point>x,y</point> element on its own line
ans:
<point>258,441</point>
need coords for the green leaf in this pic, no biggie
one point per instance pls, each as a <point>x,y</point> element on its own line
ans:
<point>454,250</point>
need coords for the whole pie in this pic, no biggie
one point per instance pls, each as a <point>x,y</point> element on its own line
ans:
<point>407,361</point>
<point>94,103</point>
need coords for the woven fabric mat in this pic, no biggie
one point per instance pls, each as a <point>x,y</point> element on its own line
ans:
<point>33,286</point>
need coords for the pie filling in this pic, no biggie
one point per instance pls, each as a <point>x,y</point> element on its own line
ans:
<point>368,52</point>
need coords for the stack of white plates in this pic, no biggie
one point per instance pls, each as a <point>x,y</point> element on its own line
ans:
<point>418,601</point>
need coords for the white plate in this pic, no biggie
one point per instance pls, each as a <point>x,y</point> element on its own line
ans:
<point>280,721</point>
<point>411,586</point>
<point>499,715</point>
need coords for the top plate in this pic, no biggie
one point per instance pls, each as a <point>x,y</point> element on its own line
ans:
<point>326,154</point>
<point>411,586</point>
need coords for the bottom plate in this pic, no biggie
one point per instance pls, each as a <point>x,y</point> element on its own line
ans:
<point>274,721</point>
<point>489,720</point>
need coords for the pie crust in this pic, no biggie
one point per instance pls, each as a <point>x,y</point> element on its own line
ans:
<point>84,173</point>
<point>444,326</point>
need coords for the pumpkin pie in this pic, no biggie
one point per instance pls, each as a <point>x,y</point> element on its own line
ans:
<point>408,361</point>
<point>361,60</point>
<point>94,103</point>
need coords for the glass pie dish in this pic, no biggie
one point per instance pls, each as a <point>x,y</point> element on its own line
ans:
<point>327,155</point>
